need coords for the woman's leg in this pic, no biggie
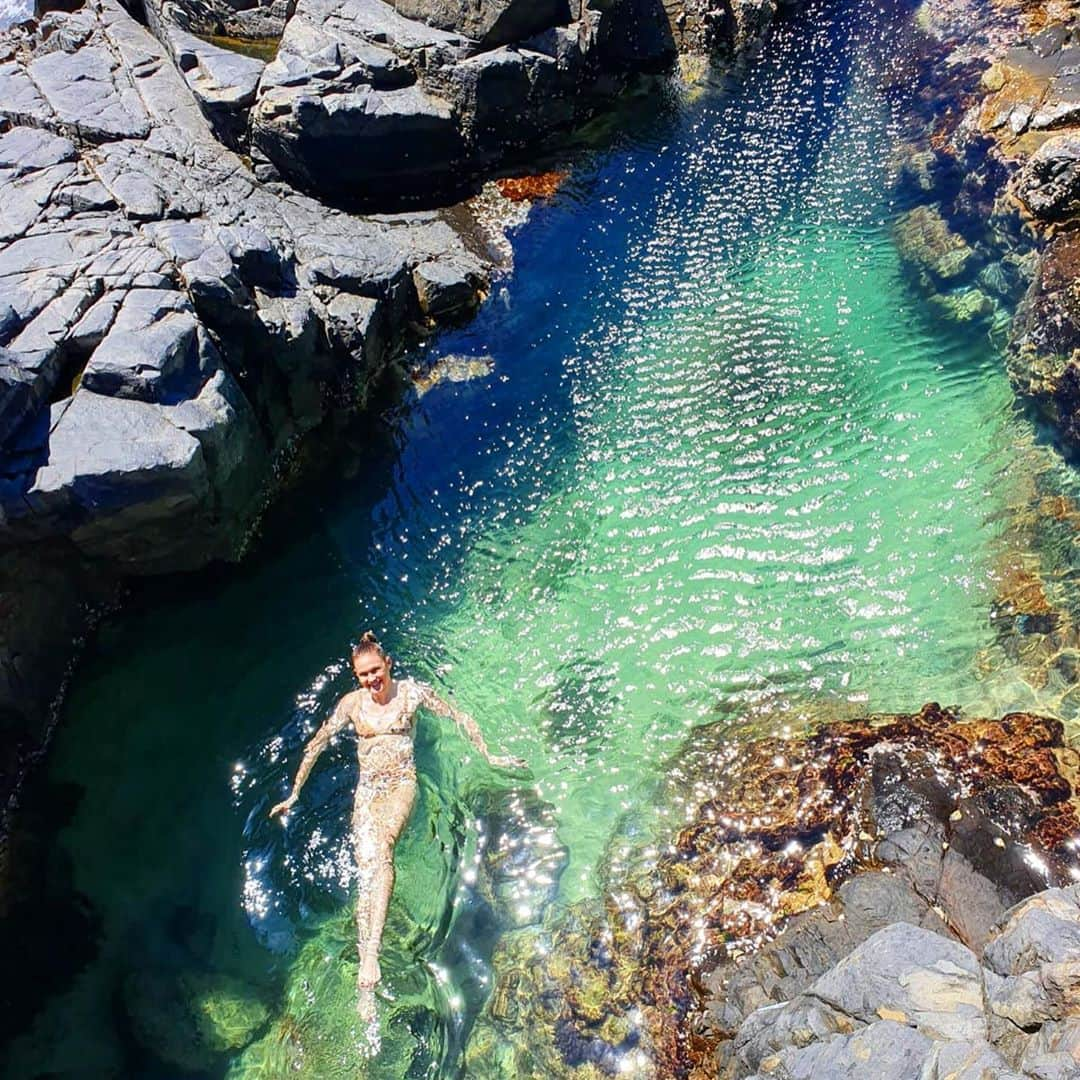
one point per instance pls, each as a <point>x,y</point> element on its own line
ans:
<point>377,823</point>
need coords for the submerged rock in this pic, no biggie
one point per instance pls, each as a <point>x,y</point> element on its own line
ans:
<point>930,247</point>
<point>454,369</point>
<point>319,1033</point>
<point>192,1020</point>
<point>489,22</point>
<point>967,306</point>
<point>1008,118</point>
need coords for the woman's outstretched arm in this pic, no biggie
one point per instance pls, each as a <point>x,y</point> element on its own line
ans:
<point>337,720</point>
<point>467,724</point>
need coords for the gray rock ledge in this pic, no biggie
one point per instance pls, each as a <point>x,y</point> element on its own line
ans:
<point>168,322</point>
<point>909,1002</point>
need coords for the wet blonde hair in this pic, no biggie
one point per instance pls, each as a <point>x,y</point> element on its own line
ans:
<point>369,643</point>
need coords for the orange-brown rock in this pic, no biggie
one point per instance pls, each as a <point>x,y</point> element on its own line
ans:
<point>527,188</point>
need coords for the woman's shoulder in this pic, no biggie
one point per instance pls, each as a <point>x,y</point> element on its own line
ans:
<point>410,686</point>
<point>348,702</point>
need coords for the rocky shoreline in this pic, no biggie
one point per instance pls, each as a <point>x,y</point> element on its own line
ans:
<point>196,274</point>
<point>175,316</point>
<point>873,891</point>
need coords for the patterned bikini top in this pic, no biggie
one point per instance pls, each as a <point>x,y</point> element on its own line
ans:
<point>368,725</point>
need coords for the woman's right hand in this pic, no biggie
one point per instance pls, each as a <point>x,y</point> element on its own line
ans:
<point>283,807</point>
<point>507,761</point>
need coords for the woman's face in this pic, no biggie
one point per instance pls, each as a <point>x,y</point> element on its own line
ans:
<point>373,673</point>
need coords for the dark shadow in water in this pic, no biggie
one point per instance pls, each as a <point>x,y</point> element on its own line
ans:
<point>49,932</point>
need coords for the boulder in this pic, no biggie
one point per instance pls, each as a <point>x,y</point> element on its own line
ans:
<point>358,143</point>
<point>489,22</point>
<point>1049,183</point>
<point>967,1061</point>
<point>892,1050</point>
<point>109,459</point>
<point>243,21</point>
<point>372,103</point>
<point>1042,930</point>
<point>446,289</point>
<point>912,976</point>
<point>150,350</point>
<point>25,149</point>
<point>89,94</point>
<point>1053,1052</point>
<point>223,81</point>
<point>1031,999</point>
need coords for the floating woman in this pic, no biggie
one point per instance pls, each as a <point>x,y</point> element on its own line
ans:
<point>381,713</point>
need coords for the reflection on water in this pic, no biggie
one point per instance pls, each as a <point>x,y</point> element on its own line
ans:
<point>723,455</point>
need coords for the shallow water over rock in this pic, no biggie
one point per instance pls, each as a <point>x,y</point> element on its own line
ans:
<point>715,448</point>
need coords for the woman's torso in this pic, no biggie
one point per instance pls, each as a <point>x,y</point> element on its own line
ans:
<point>384,735</point>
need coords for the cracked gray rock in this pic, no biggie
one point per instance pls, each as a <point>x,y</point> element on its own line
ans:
<point>136,244</point>
<point>168,322</point>
<point>366,101</point>
<point>909,1002</point>
<point>951,959</point>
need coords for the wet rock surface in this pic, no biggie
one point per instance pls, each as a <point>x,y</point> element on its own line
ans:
<point>168,323</point>
<point>993,163</point>
<point>887,850</point>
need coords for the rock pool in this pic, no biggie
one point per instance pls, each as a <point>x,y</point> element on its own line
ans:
<point>716,450</point>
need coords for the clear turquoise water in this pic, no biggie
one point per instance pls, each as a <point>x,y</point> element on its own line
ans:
<point>725,456</point>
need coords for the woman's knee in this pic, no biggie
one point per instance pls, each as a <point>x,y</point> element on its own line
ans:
<point>374,851</point>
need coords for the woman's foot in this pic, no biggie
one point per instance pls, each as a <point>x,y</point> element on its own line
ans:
<point>369,1038</point>
<point>369,974</point>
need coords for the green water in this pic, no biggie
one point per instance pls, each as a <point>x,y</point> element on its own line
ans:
<point>725,456</point>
